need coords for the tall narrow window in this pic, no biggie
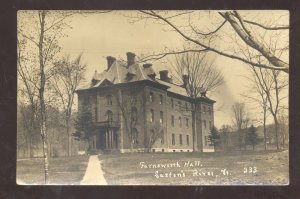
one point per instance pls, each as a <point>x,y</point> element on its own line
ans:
<point>161,118</point>
<point>134,114</point>
<point>134,136</point>
<point>151,97</point>
<point>172,120</point>
<point>151,115</point>
<point>172,103</point>
<point>160,99</point>
<point>162,138</point>
<point>109,100</point>
<point>186,107</point>
<point>173,139</point>
<point>204,109</point>
<point>209,110</point>
<point>180,139</point>
<point>96,113</point>
<point>187,122</point>
<point>204,124</point>
<point>187,140</point>
<point>206,139</point>
<point>180,122</point>
<point>179,105</point>
<point>210,126</point>
<point>109,116</point>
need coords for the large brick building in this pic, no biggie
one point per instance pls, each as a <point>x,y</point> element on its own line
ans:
<point>134,109</point>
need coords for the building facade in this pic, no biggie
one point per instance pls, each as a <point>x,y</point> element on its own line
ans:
<point>135,110</point>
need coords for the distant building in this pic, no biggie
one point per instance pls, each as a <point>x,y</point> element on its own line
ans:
<point>134,110</point>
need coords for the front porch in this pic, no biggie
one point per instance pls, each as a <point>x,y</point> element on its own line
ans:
<point>106,137</point>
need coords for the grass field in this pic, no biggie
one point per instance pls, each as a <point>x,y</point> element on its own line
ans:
<point>62,170</point>
<point>234,168</point>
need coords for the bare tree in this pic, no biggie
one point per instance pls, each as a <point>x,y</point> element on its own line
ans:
<point>283,127</point>
<point>240,120</point>
<point>41,30</point>
<point>277,82</point>
<point>198,74</point>
<point>261,99</point>
<point>131,103</point>
<point>67,76</point>
<point>204,40</point>
<point>156,133</point>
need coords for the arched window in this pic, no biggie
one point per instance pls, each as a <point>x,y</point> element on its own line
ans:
<point>109,115</point>
<point>134,114</point>
<point>109,100</point>
<point>135,136</point>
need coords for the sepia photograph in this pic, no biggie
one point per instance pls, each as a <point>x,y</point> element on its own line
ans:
<point>152,97</point>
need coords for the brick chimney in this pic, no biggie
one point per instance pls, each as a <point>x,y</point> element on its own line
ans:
<point>130,58</point>
<point>164,75</point>
<point>110,61</point>
<point>185,79</point>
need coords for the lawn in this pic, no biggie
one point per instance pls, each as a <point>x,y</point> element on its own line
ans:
<point>62,170</point>
<point>234,168</point>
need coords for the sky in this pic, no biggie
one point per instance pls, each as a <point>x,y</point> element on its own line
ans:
<point>112,34</point>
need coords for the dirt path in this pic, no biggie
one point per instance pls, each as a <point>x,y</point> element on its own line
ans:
<point>93,174</point>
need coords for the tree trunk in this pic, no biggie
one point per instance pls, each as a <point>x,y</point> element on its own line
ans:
<point>265,130</point>
<point>276,132</point>
<point>69,136</point>
<point>41,96</point>
<point>194,126</point>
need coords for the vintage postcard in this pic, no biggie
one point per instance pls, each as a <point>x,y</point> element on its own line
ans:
<point>147,97</point>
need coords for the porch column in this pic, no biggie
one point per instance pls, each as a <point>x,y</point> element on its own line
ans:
<point>106,140</point>
<point>112,139</point>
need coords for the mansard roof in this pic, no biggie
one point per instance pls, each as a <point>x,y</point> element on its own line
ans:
<point>119,73</point>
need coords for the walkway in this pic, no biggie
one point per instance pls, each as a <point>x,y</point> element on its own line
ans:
<point>93,174</point>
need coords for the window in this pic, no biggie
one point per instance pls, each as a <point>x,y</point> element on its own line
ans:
<point>109,100</point>
<point>180,122</point>
<point>179,105</point>
<point>186,107</point>
<point>210,125</point>
<point>180,139</point>
<point>187,140</point>
<point>134,114</point>
<point>160,99</point>
<point>151,115</point>
<point>209,110</point>
<point>151,97</point>
<point>109,116</point>
<point>204,109</point>
<point>134,136</point>
<point>96,113</point>
<point>161,118</point>
<point>162,139</point>
<point>205,138</point>
<point>172,120</point>
<point>173,139</point>
<point>204,124</point>
<point>187,122</point>
<point>172,103</point>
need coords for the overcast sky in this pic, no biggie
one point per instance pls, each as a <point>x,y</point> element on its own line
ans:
<point>111,34</point>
